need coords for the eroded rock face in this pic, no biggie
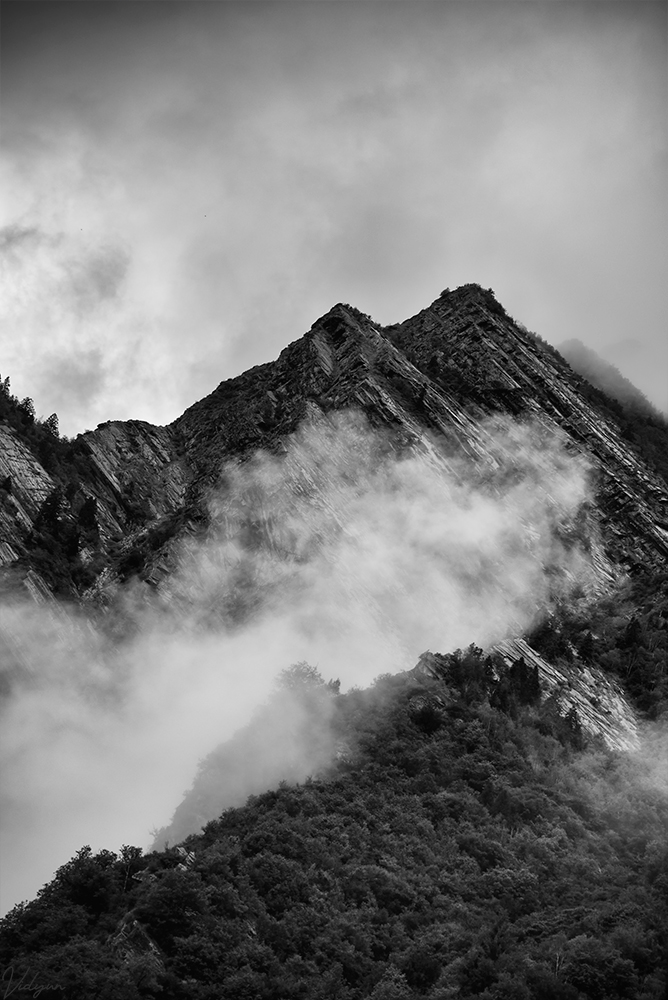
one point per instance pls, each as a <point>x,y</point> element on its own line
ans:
<point>438,373</point>
<point>468,344</point>
<point>136,493</point>
<point>132,943</point>
<point>132,471</point>
<point>135,452</point>
<point>435,375</point>
<point>601,706</point>
<point>24,486</point>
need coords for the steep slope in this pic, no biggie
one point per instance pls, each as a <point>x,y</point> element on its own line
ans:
<point>67,508</point>
<point>467,343</point>
<point>81,517</point>
<point>437,374</point>
<point>458,850</point>
<point>641,423</point>
<point>437,378</point>
<point>460,827</point>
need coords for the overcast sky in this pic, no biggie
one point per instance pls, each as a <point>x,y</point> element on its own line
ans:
<point>188,186</point>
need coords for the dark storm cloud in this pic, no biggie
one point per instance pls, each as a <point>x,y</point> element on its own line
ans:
<point>259,162</point>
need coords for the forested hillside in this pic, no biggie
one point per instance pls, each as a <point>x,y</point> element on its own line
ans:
<point>469,842</point>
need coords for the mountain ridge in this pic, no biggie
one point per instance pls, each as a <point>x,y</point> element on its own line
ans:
<point>484,824</point>
<point>438,372</point>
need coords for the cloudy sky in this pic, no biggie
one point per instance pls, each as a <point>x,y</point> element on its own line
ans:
<point>187,186</point>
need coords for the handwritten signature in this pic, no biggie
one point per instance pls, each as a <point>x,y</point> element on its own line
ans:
<point>24,985</point>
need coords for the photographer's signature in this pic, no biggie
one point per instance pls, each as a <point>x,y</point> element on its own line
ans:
<point>11,984</point>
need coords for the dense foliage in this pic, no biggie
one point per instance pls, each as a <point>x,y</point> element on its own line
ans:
<point>467,843</point>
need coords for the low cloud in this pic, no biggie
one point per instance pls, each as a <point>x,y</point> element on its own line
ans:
<point>344,532</point>
<point>347,551</point>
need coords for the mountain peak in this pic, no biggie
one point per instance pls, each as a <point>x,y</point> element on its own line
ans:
<point>440,372</point>
<point>466,434</point>
<point>471,291</point>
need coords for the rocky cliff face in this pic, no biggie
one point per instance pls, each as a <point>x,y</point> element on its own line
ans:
<point>437,373</point>
<point>121,497</point>
<point>468,344</point>
<point>27,486</point>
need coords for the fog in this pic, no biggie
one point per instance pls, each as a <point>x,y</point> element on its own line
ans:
<point>349,551</point>
<point>606,377</point>
<point>627,794</point>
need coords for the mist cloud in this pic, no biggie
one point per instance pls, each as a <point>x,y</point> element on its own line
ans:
<point>349,551</point>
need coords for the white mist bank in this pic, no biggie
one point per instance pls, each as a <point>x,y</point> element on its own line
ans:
<point>341,552</point>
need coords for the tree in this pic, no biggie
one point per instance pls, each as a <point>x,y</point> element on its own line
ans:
<point>299,676</point>
<point>51,424</point>
<point>50,513</point>
<point>631,637</point>
<point>27,408</point>
<point>392,986</point>
<point>525,683</point>
<point>88,514</point>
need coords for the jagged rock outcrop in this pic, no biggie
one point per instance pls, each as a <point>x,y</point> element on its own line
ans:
<point>436,374</point>
<point>125,494</point>
<point>467,343</point>
<point>139,952</point>
<point>141,463</point>
<point>24,486</point>
<point>601,706</point>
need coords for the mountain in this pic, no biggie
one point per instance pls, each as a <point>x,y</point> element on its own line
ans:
<point>435,834</point>
<point>439,372</point>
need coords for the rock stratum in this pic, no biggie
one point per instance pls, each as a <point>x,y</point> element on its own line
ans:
<point>81,519</point>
